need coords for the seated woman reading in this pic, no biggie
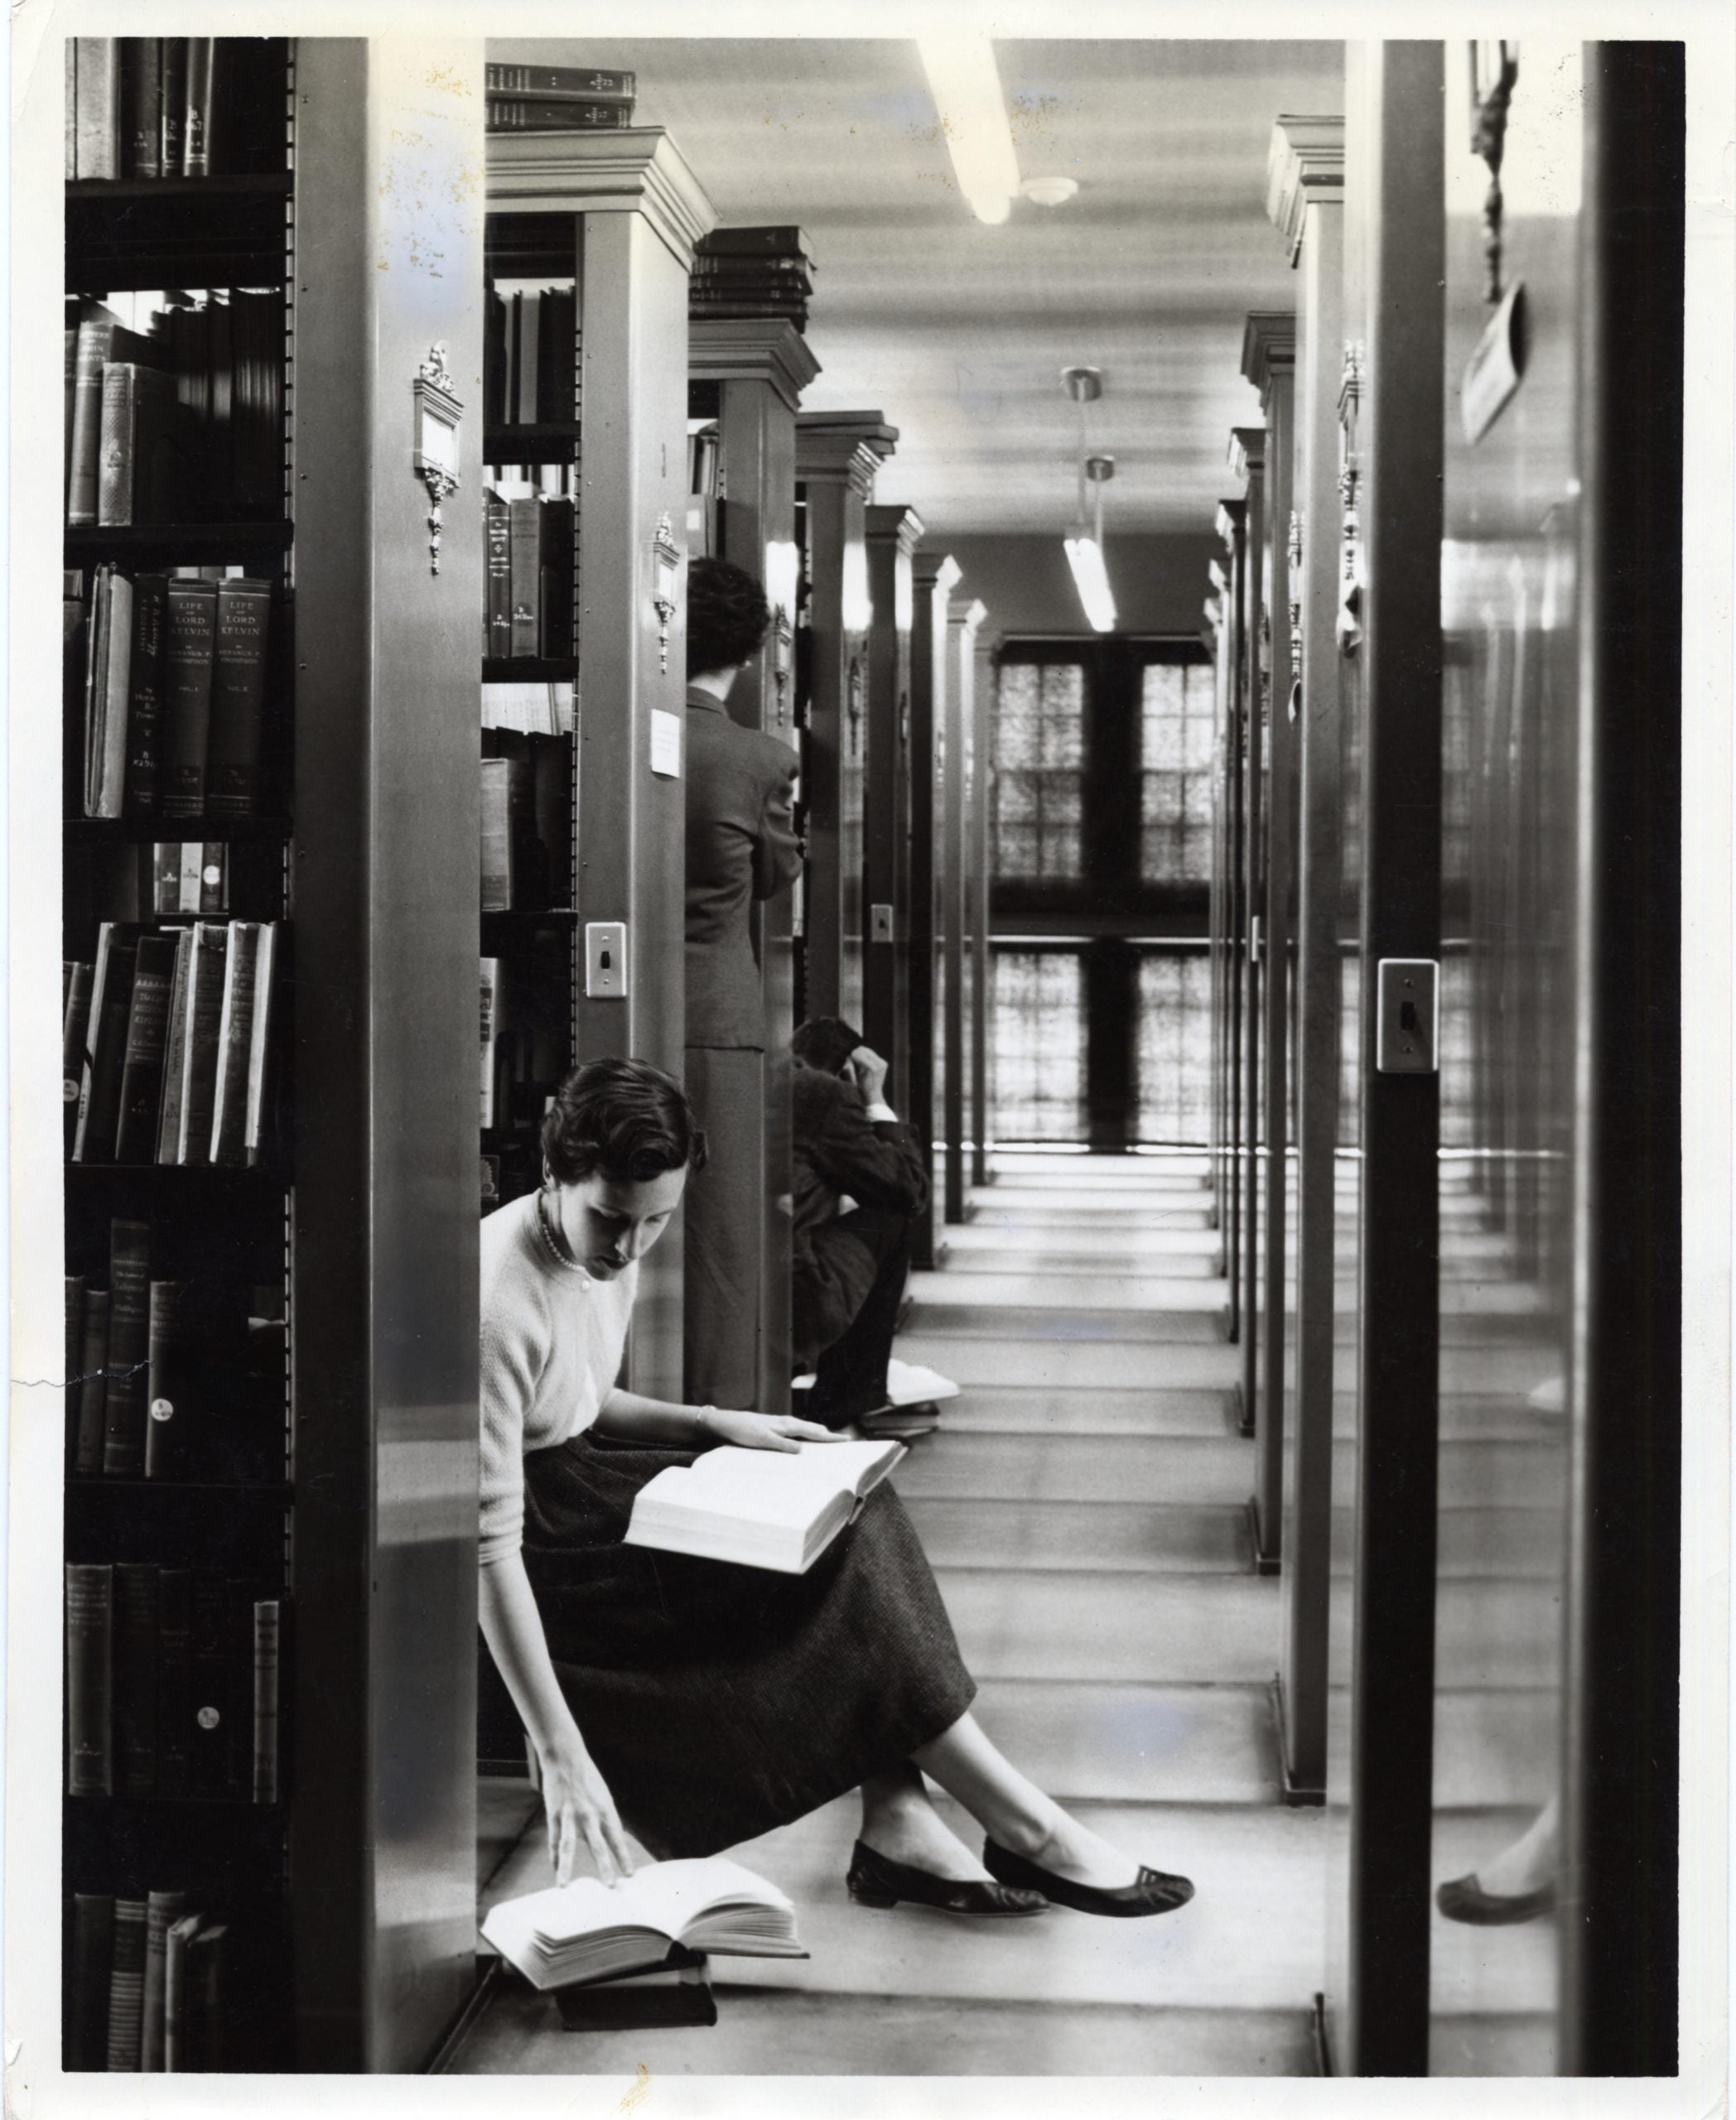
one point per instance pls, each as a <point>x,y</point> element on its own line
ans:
<point>692,1702</point>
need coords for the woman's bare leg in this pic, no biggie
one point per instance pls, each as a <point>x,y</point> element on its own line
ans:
<point>900,1823</point>
<point>1015,1812</point>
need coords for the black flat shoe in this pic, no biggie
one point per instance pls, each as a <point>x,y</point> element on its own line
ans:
<point>877,1881</point>
<point>1153,1892</point>
<point>1463,1899</point>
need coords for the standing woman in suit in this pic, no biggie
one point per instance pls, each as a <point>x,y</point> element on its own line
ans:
<point>742,849</point>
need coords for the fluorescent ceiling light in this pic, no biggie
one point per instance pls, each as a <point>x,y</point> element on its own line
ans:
<point>967,90</point>
<point>1091,578</point>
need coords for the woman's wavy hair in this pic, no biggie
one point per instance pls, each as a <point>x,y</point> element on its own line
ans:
<point>623,1118</point>
<point>728,617</point>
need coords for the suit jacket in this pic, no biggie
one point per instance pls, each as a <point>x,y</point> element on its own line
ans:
<point>741,846</point>
<point>837,1148</point>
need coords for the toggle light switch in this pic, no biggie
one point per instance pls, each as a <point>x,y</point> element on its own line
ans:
<point>879,924</point>
<point>1407,1035</point>
<point>605,961</point>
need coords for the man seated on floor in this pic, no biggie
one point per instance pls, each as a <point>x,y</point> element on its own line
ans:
<point>858,1183</point>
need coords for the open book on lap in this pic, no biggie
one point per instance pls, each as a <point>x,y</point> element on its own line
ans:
<point>771,1509</point>
<point>586,1931</point>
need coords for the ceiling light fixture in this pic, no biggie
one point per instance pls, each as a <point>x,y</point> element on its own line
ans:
<point>965,87</point>
<point>1084,547</point>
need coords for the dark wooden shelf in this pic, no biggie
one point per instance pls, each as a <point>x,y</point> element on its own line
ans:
<point>559,916</point>
<point>108,831</point>
<point>530,669</point>
<point>183,544</point>
<point>258,1177</point>
<point>277,1490</point>
<point>179,1806</point>
<point>177,232</point>
<point>540,441</point>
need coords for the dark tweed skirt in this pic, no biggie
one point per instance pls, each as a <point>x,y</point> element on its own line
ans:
<point>720,1701</point>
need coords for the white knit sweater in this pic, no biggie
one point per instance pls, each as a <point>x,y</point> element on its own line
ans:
<point>552,1341</point>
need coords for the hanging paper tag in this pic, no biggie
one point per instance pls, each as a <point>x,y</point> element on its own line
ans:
<point>666,744</point>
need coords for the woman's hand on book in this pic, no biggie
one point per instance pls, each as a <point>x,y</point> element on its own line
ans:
<point>761,1431</point>
<point>576,1802</point>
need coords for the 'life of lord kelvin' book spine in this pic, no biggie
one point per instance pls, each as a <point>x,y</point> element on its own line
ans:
<point>237,737</point>
<point>93,1955</point>
<point>129,1310</point>
<point>135,1678</point>
<point>142,1070</point>
<point>144,707</point>
<point>189,641</point>
<point>127,1986</point>
<point>90,1666</point>
<point>92,1383</point>
<point>171,1407</point>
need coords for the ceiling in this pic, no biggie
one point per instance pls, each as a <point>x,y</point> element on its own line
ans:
<point>958,331</point>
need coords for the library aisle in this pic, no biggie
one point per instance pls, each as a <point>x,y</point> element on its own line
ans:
<point>1084,1505</point>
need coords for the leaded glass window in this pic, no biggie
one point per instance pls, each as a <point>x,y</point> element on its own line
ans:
<point>1177,704</point>
<point>1036,797</point>
<point>1174,1046</point>
<point>1037,1048</point>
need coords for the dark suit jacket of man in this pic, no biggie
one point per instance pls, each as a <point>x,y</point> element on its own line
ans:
<point>741,846</point>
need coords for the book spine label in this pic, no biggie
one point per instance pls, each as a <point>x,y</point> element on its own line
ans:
<point>142,1069</point>
<point>583,83</point>
<point>190,640</point>
<point>126,1987</point>
<point>266,1642</point>
<point>213,892</point>
<point>175,1681</point>
<point>99,107</point>
<point>236,735</point>
<point>89,1667</point>
<point>116,452</point>
<point>558,117</point>
<point>144,708</point>
<point>92,1383</point>
<point>129,1312</point>
<point>135,1678</point>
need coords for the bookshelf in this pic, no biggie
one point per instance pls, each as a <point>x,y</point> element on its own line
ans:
<point>838,455</point>
<point>614,217</point>
<point>892,535</point>
<point>964,968</point>
<point>746,375</point>
<point>284,1522</point>
<point>934,576</point>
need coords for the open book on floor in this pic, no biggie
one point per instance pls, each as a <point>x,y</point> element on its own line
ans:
<point>775,1509</point>
<point>587,1931</point>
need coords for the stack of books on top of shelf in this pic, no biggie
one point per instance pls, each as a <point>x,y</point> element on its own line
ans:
<point>150,1984</point>
<point>165,1379</point>
<point>172,1684</point>
<point>184,416</point>
<point>173,106</point>
<point>529,355</point>
<point>536,708</point>
<point>558,99</point>
<point>527,607</point>
<point>759,271</point>
<point>166,673</point>
<point>527,821</point>
<point>166,1044</point>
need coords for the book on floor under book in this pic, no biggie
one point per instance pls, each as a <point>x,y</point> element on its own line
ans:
<point>586,1931</point>
<point>771,1509</point>
<point>679,1991</point>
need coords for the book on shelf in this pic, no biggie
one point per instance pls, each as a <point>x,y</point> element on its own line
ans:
<point>141,446</point>
<point>142,787</point>
<point>94,326</point>
<point>189,1087</point>
<point>778,1510</point>
<point>92,1373</point>
<point>530,355</point>
<point>75,1034</point>
<point>133,1698</point>
<point>107,675</point>
<point>510,114</point>
<point>75,660</point>
<point>497,607</point>
<point>243,1033</point>
<point>174,1682</point>
<point>577,83</point>
<point>90,1679</point>
<point>129,1313</point>
<point>126,1987</point>
<point>490,1036</point>
<point>155,107</point>
<point>162,1910</point>
<point>93,1955</point>
<point>95,100</point>
<point>189,664</point>
<point>75,1348</point>
<point>189,875</point>
<point>256,1110</point>
<point>782,240</point>
<point>111,1003</point>
<point>142,1064</point>
<point>586,1931</point>
<point>171,1381</point>
<point>527,821</point>
<point>538,708</point>
<point>268,1626</point>
<point>208,1738</point>
<point>679,1991</point>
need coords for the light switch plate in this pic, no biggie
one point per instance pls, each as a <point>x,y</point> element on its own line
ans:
<point>605,960</point>
<point>1407,1035</point>
<point>879,924</point>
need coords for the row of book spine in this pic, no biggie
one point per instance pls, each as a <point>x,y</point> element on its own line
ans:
<point>527,607</point>
<point>530,356</point>
<point>536,707</point>
<point>526,1004</point>
<point>139,106</point>
<point>173,1677</point>
<point>188,411</point>
<point>753,272</point>
<point>558,98</point>
<point>167,672</point>
<point>149,1986</point>
<point>166,1046</point>
<point>527,820</point>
